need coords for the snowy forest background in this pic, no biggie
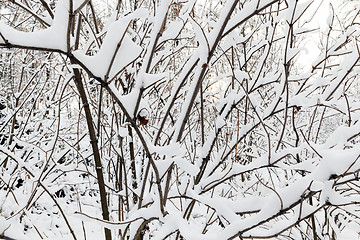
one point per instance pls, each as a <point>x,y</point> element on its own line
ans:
<point>179,119</point>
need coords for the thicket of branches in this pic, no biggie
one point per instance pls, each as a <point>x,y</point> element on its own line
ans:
<point>171,119</point>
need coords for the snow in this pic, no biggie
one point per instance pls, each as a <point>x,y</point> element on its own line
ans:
<point>160,16</point>
<point>247,184</point>
<point>116,35</point>
<point>129,100</point>
<point>146,80</point>
<point>53,37</point>
<point>248,9</point>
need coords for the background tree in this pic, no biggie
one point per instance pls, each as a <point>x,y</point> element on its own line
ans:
<point>179,119</point>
